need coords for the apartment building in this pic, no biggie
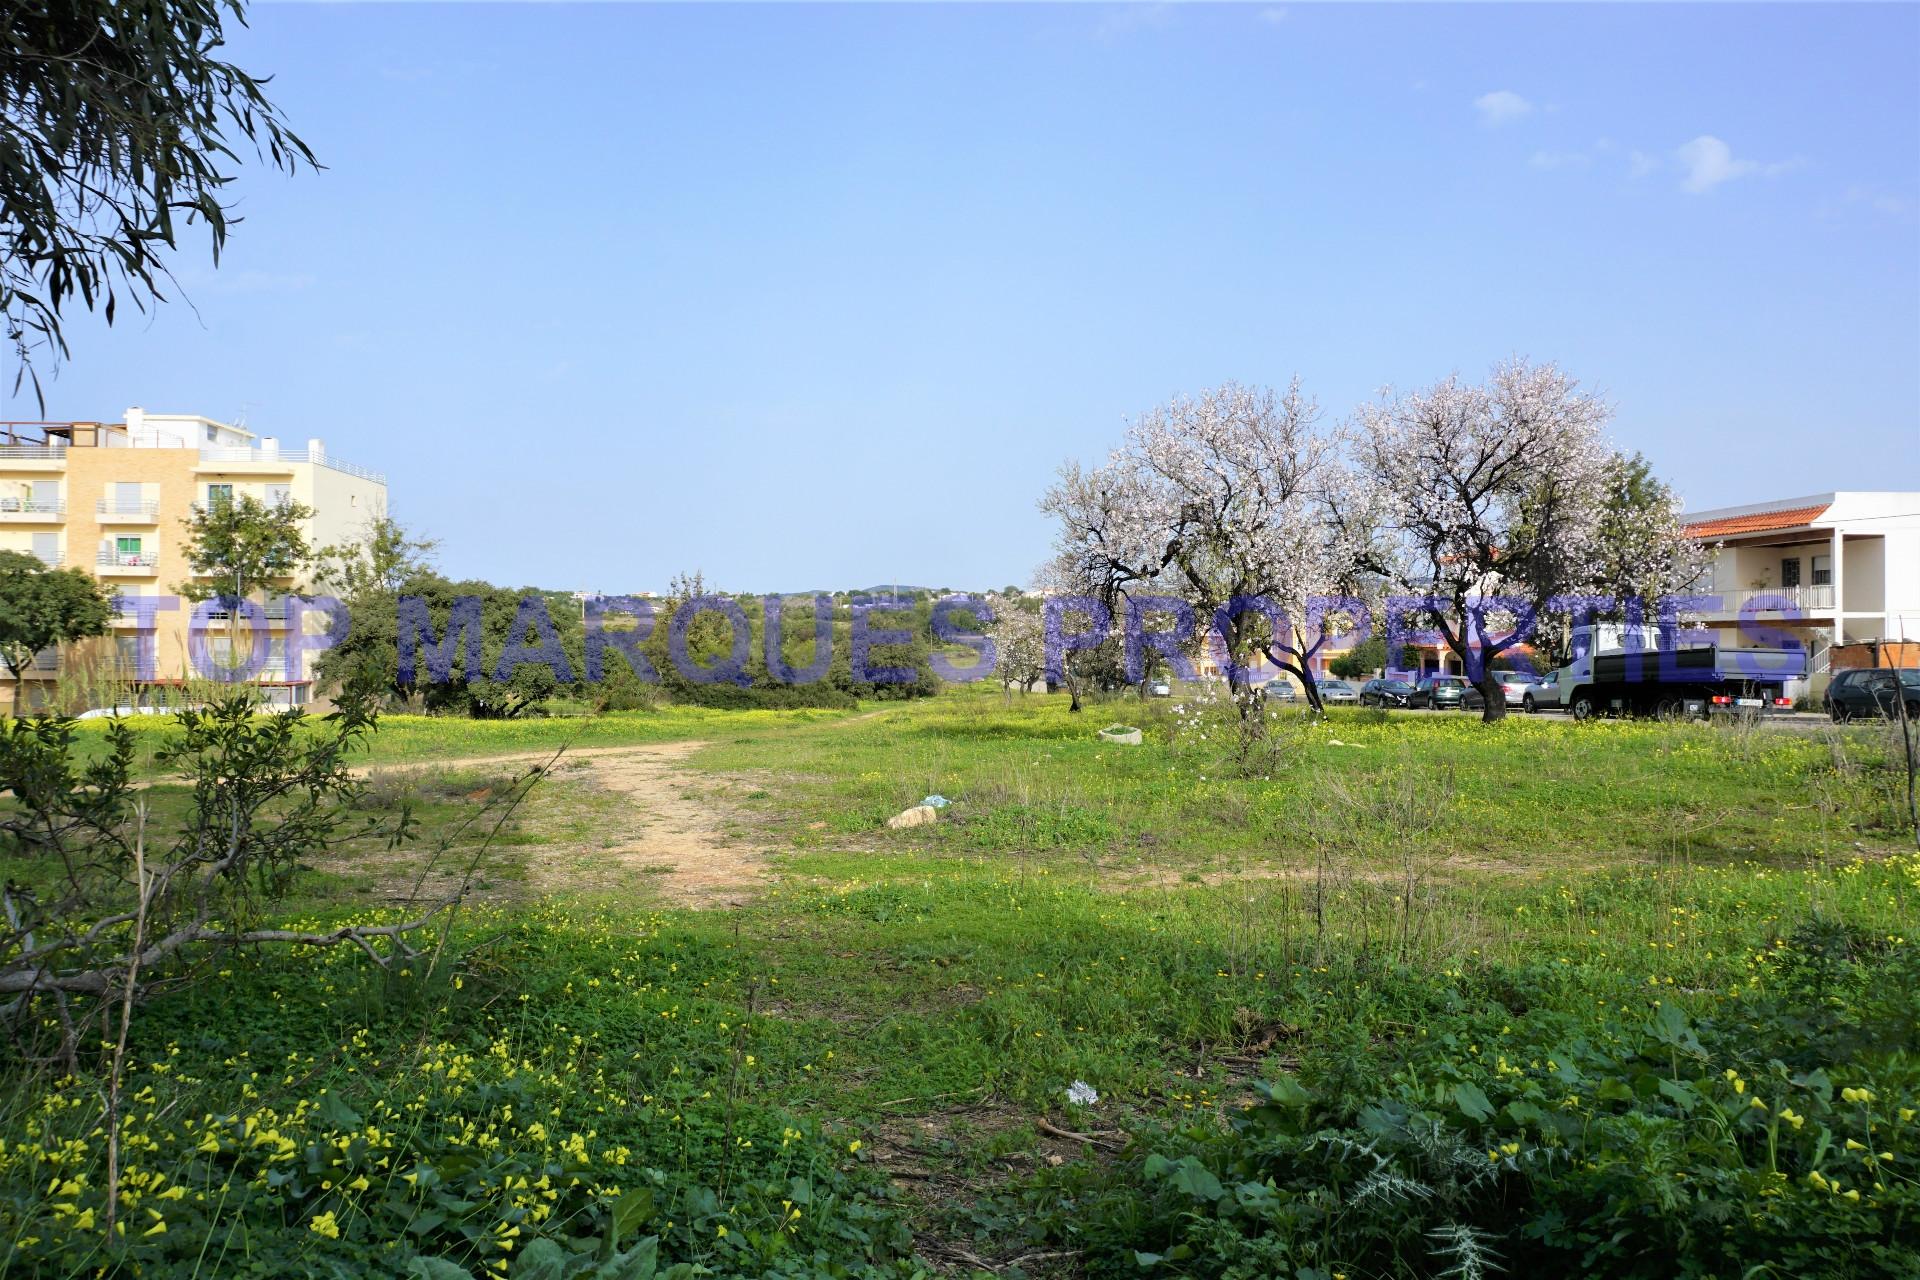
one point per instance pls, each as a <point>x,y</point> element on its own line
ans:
<point>114,499</point>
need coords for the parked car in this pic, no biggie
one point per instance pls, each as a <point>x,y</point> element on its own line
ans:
<point>124,709</point>
<point>1514,686</point>
<point>1542,694</point>
<point>1870,691</point>
<point>1332,691</point>
<point>1386,693</point>
<point>1280,689</point>
<point>1446,693</point>
<point>1160,689</point>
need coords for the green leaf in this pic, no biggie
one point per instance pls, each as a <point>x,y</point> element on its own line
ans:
<point>421,1268</point>
<point>1671,1026</point>
<point>1194,1178</point>
<point>629,1212</point>
<point>642,1262</point>
<point>1285,1091</point>
<point>1682,1094</point>
<point>1614,1089</point>
<point>1144,1260</point>
<point>540,1260</point>
<point>336,1114</point>
<point>1524,1113</point>
<point>1472,1101</point>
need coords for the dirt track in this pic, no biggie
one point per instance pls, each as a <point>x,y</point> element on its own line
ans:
<point>677,843</point>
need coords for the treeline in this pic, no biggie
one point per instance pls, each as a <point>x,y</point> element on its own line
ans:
<point>421,641</point>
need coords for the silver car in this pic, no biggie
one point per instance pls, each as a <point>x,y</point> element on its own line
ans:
<point>1332,691</point>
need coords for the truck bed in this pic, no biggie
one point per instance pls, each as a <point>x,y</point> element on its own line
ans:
<point>1703,664</point>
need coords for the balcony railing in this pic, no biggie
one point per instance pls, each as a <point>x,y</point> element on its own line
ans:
<point>32,506</point>
<point>219,454</point>
<point>108,559</point>
<point>51,559</point>
<point>113,509</point>
<point>32,452</point>
<point>275,611</point>
<point>1802,599</point>
<point>245,453</point>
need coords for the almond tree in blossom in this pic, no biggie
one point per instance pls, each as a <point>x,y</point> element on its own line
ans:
<point>1219,500</point>
<point>1488,502</point>
<point>1020,656</point>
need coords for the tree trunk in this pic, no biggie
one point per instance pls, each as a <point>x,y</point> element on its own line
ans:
<point>1489,687</point>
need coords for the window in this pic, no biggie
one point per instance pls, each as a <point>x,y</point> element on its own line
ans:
<point>1823,571</point>
<point>219,495</point>
<point>1790,572</point>
<point>124,547</point>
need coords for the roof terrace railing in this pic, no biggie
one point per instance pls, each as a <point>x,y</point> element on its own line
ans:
<point>214,454</point>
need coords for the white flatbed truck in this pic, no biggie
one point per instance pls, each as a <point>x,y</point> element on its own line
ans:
<point>1644,671</point>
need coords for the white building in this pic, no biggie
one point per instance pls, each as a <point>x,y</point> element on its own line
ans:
<point>1846,564</point>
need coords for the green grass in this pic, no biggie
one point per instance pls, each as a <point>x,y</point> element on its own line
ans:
<point>1403,901</point>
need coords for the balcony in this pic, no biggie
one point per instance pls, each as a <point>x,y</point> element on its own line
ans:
<point>111,561</point>
<point>22,510</point>
<point>275,611</point>
<point>115,512</point>
<point>51,559</point>
<point>1802,600</point>
<point>33,457</point>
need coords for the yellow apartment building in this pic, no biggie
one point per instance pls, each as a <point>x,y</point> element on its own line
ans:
<point>114,499</point>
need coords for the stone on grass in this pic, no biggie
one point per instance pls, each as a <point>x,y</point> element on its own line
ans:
<point>918,816</point>
<point>1121,734</point>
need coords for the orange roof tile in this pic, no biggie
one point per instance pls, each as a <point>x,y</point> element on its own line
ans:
<point>1760,522</point>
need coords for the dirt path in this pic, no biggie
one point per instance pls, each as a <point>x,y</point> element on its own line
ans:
<point>677,842</point>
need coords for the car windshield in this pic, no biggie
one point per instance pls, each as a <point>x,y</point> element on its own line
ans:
<point>1396,686</point>
<point>1337,686</point>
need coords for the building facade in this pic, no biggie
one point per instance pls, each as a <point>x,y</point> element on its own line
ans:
<point>1830,568</point>
<point>115,499</point>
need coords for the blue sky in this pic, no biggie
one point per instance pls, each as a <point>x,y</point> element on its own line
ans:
<point>809,296</point>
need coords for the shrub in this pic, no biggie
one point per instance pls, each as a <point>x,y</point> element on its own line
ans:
<point>1772,1135</point>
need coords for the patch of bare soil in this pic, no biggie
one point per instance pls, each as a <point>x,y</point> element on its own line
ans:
<point>679,839</point>
<point>958,1154</point>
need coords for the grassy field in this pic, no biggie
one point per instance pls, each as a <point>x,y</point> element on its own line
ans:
<point>1398,996</point>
